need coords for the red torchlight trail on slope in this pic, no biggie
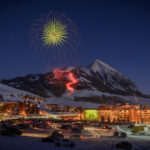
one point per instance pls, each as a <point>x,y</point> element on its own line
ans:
<point>59,74</point>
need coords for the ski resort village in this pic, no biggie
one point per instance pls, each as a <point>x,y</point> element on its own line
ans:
<point>70,108</point>
<point>74,75</point>
<point>77,107</point>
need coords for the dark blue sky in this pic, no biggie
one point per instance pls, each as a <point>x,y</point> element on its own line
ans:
<point>116,32</point>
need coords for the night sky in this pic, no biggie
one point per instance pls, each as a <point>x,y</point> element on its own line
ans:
<point>116,32</point>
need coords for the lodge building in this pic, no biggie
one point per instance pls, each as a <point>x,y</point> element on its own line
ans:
<point>123,114</point>
<point>19,108</point>
<point>107,114</point>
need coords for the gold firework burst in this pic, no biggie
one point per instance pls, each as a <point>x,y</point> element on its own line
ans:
<point>54,33</point>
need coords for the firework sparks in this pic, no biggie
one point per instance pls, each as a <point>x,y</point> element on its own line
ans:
<point>59,74</point>
<point>54,36</point>
<point>54,33</point>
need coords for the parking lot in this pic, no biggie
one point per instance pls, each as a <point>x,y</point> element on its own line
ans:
<point>90,135</point>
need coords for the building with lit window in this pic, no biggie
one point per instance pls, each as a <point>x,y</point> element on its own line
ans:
<point>120,114</point>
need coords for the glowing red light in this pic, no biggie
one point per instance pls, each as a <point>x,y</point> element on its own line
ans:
<point>59,74</point>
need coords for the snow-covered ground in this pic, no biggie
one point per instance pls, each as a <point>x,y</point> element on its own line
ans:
<point>6,91</point>
<point>28,143</point>
<point>69,100</point>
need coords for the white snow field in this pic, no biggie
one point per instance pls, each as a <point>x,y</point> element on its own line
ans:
<point>69,100</point>
<point>6,91</point>
<point>28,143</point>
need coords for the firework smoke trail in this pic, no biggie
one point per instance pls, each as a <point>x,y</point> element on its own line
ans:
<point>59,74</point>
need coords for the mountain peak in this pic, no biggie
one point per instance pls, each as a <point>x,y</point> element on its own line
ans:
<point>98,61</point>
<point>100,66</point>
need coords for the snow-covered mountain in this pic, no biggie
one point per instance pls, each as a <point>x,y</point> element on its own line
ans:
<point>98,76</point>
<point>97,84</point>
<point>104,78</point>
